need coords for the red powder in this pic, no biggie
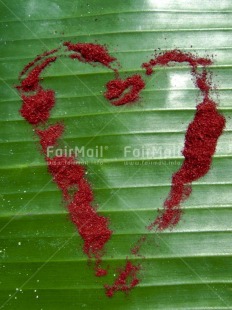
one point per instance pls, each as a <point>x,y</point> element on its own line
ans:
<point>38,58</point>
<point>48,137</point>
<point>115,89</point>
<point>100,272</point>
<point>36,108</point>
<point>202,82</point>
<point>175,56</point>
<point>126,280</point>
<point>31,82</point>
<point>200,139</point>
<point>135,250</point>
<point>66,173</point>
<point>200,144</point>
<point>93,228</point>
<point>89,52</point>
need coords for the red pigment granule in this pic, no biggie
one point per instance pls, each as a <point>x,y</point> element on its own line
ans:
<point>99,272</point>
<point>93,228</point>
<point>200,139</point>
<point>115,89</point>
<point>36,108</point>
<point>38,58</point>
<point>89,52</point>
<point>31,82</point>
<point>126,280</point>
<point>48,137</point>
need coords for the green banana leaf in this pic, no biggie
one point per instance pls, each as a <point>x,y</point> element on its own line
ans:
<point>42,263</point>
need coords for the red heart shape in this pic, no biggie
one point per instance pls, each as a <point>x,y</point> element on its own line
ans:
<point>202,135</point>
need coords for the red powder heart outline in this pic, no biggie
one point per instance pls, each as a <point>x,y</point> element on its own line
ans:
<point>200,144</point>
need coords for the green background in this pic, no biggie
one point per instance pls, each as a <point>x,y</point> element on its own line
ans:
<point>42,264</point>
